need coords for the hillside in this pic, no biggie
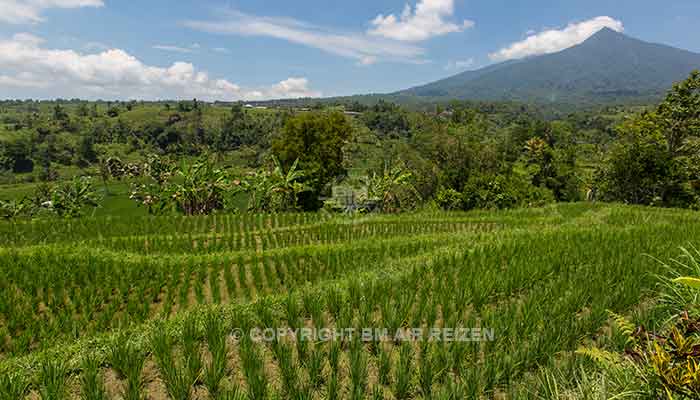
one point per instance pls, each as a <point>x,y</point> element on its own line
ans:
<point>608,67</point>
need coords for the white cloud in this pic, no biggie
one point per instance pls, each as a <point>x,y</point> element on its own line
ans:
<point>358,46</point>
<point>460,64</point>
<point>291,88</point>
<point>553,40</point>
<point>29,11</point>
<point>48,73</point>
<point>221,50</point>
<point>178,49</point>
<point>174,49</point>
<point>427,20</point>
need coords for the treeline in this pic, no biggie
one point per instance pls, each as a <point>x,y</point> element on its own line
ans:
<point>461,155</point>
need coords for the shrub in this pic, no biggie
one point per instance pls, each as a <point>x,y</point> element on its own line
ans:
<point>502,191</point>
<point>70,199</point>
<point>449,199</point>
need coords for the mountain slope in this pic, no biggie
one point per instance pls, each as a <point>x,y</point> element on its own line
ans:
<point>607,67</point>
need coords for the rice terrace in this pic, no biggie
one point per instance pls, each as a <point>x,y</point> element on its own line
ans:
<point>372,200</point>
<point>147,306</point>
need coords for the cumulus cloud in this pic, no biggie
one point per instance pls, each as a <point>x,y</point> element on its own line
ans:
<point>29,11</point>
<point>428,19</point>
<point>553,40</point>
<point>114,73</point>
<point>358,46</point>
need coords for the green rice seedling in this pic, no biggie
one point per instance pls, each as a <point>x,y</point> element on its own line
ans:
<point>333,389</point>
<point>191,348</point>
<point>288,370</point>
<point>355,293</point>
<point>214,284</point>
<point>242,277</point>
<point>201,277</point>
<point>91,380</point>
<point>431,314</point>
<point>253,369</point>
<point>313,307</point>
<point>334,356</point>
<point>458,354</point>
<point>266,311</point>
<point>314,365</point>
<point>292,311</point>
<point>365,317</point>
<point>177,378</point>
<point>128,362</point>
<point>53,378</point>
<point>258,280</point>
<point>384,364</point>
<point>215,371</point>
<point>345,318</point>
<point>335,301</point>
<point>302,346</point>
<point>233,394</point>
<point>472,379</point>
<point>358,370</point>
<point>13,386</point>
<point>378,393</point>
<point>404,372</point>
<point>426,375</point>
<point>453,390</point>
<point>228,278</point>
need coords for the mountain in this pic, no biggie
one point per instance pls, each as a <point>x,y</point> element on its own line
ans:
<point>608,67</point>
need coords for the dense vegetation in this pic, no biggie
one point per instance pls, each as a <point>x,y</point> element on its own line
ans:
<point>204,158</point>
<point>133,307</point>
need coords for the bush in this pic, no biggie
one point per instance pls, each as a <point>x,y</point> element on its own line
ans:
<point>70,199</point>
<point>449,199</point>
<point>498,192</point>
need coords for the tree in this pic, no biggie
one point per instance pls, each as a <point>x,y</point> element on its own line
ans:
<point>86,151</point>
<point>276,190</point>
<point>393,190</point>
<point>316,139</point>
<point>191,189</point>
<point>679,115</point>
<point>59,114</point>
<point>656,160</point>
<point>386,119</point>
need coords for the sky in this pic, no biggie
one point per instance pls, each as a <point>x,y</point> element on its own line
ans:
<point>265,49</point>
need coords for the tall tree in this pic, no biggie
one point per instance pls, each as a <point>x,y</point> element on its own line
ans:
<point>316,139</point>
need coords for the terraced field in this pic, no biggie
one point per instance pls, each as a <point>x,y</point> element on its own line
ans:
<point>164,307</point>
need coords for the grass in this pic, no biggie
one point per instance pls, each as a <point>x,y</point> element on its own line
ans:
<point>134,297</point>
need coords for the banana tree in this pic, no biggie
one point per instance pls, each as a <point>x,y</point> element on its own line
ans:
<point>276,190</point>
<point>393,190</point>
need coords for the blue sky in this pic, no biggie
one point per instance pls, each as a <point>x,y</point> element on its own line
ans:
<point>259,49</point>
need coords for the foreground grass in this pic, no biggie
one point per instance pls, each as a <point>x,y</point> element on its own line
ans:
<point>542,280</point>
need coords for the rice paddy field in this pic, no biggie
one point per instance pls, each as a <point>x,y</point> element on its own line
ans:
<point>202,307</point>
